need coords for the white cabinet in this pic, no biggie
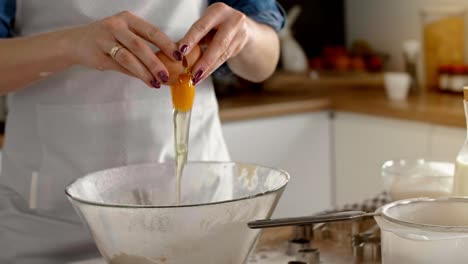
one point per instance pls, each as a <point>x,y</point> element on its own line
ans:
<point>362,143</point>
<point>299,144</point>
<point>337,161</point>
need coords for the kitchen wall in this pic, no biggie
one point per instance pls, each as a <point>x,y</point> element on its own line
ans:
<point>387,23</point>
<point>321,22</point>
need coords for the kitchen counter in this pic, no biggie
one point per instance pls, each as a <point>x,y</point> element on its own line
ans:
<point>435,108</point>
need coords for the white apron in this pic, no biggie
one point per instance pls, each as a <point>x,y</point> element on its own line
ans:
<point>83,120</point>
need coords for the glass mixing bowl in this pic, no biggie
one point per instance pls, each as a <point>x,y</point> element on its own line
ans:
<point>132,215</point>
<point>404,179</point>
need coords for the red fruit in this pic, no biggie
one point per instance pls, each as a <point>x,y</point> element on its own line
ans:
<point>358,64</point>
<point>375,63</point>
<point>342,63</point>
<point>317,63</point>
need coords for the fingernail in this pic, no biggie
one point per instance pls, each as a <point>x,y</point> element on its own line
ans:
<point>184,49</point>
<point>155,84</point>
<point>163,75</point>
<point>177,55</point>
<point>197,76</point>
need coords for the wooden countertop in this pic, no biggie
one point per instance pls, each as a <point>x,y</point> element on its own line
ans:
<point>435,108</point>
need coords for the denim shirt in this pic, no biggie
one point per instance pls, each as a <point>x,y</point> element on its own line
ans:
<point>7,16</point>
<point>267,12</point>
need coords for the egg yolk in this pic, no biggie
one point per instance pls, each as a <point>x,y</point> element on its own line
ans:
<point>183,92</point>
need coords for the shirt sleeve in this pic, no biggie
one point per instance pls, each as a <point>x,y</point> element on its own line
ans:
<point>267,12</point>
<point>7,17</point>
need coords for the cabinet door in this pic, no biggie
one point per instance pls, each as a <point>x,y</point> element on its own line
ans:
<point>446,142</point>
<point>299,144</point>
<point>362,143</point>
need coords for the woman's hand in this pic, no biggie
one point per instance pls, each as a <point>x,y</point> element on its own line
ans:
<point>91,45</point>
<point>225,31</point>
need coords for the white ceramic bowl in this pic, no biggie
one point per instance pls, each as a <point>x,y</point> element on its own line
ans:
<point>397,85</point>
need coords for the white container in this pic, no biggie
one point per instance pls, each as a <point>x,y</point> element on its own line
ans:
<point>404,179</point>
<point>460,182</point>
<point>397,85</point>
<point>457,82</point>
<point>293,57</point>
<point>424,231</point>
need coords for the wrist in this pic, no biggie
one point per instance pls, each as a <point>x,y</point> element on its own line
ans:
<point>67,47</point>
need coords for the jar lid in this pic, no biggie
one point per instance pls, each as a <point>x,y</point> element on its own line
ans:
<point>445,68</point>
<point>458,69</point>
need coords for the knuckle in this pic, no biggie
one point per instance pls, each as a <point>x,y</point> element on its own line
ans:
<point>110,23</point>
<point>225,56</point>
<point>200,27</point>
<point>224,43</point>
<point>239,16</point>
<point>242,18</point>
<point>125,14</point>
<point>243,34</point>
<point>237,51</point>
<point>153,33</point>
<point>239,19</point>
<point>136,44</point>
<point>124,57</point>
<point>210,61</point>
<point>219,6</point>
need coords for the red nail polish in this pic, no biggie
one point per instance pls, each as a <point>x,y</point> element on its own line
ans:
<point>155,84</point>
<point>184,49</point>
<point>197,76</point>
<point>163,75</point>
<point>177,55</point>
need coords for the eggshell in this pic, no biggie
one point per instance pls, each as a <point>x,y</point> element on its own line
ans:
<point>175,67</point>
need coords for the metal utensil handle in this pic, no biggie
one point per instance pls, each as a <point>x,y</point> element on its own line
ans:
<point>305,220</point>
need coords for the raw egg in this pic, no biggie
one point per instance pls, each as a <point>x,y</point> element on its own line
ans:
<point>175,67</point>
<point>183,92</point>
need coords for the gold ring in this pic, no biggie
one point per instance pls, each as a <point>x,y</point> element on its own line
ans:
<point>114,50</point>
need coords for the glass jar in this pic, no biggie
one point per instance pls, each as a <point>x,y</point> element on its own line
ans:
<point>460,181</point>
<point>443,35</point>
<point>445,74</point>
<point>458,78</point>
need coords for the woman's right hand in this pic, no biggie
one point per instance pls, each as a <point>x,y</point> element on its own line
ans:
<point>91,44</point>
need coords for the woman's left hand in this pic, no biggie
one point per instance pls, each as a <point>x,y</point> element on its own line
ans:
<point>226,32</point>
